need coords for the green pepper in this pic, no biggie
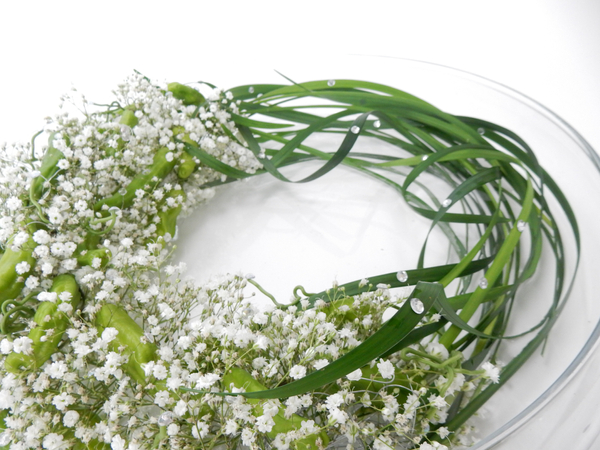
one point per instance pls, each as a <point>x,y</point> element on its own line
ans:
<point>110,151</point>
<point>187,163</point>
<point>90,242</point>
<point>159,169</point>
<point>188,95</point>
<point>241,378</point>
<point>168,218</point>
<point>129,118</point>
<point>129,336</point>
<point>48,168</point>
<point>59,322</point>
<point>10,286</point>
<point>88,258</point>
<point>88,250</point>
<point>177,131</point>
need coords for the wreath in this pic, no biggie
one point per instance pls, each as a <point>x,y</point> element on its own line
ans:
<point>106,344</point>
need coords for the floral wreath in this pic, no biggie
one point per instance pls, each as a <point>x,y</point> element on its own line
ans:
<point>106,345</point>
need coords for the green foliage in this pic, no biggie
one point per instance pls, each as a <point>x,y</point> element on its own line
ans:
<point>491,173</point>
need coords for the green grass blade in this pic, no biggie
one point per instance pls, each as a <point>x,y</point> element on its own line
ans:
<point>390,333</point>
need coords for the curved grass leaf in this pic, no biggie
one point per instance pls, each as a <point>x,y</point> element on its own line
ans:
<point>387,337</point>
<point>495,176</point>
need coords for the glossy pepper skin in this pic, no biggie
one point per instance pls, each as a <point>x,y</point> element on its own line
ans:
<point>88,250</point>
<point>168,217</point>
<point>130,336</point>
<point>187,94</point>
<point>129,118</point>
<point>47,170</point>
<point>242,379</point>
<point>10,284</point>
<point>47,316</point>
<point>87,259</point>
<point>187,164</point>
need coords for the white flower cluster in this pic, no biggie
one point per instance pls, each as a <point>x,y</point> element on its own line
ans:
<point>87,389</point>
<point>133,357</point>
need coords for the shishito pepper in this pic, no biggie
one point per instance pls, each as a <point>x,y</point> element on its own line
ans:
<point>87,259</point>
<point>168,217</point>
<point>161,166</point>
<point>130,336</point>
<point>187,164</point>
<point>88,250</point>
<point>188,95</point>
<point>48,168</point>
<point>242,379</point>
<point>129,118</point>
<point>47,316</point>
<point>10,285</point>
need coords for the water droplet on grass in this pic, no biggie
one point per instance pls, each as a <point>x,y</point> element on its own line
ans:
<point>417,305</point>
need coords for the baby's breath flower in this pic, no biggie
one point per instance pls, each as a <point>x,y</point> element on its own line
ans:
<point>109,334</point>
<point>492,372</point>
<point>56,370</point>
<point>53,441</point>
<point>22,345</point>
<point>6,346</point>
<point>298,371</point>
<point>97,224</point>
<point>117,443</point>
<point>231,427</point>
<point>386,369</point>
<point>63,400</point>
<point>320,363</point>
<point>382,442</point>
<point>437,401</point>
<point>355,375</point>
<point>70,418</point>
<point>443,432</point>
<point>23,267</point>
<point>13,203</point>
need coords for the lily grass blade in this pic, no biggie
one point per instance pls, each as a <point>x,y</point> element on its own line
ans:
<point>387,337</point>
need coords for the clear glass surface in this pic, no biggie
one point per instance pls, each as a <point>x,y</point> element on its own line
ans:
<point>345,226</point>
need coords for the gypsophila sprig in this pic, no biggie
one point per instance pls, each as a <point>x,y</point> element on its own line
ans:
<point>107,344</point>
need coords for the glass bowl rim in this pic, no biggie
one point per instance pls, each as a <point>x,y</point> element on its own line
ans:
<point>593,341</point>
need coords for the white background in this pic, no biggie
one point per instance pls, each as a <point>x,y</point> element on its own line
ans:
<point>546,49</point>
